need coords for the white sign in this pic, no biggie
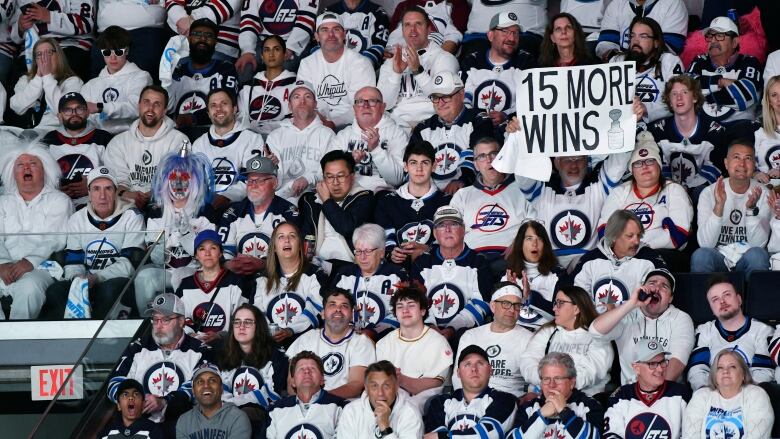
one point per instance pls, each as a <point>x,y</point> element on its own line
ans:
<point>45,381</point>
<point>570,111</point>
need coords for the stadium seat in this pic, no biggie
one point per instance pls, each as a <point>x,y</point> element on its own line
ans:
<point>761,299</point>
<point>691,291</point>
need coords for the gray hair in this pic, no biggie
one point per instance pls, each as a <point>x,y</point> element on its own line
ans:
<point>558,359</point>
<point>371,234</point>
<point>617,222</point>
<point>746,377</point>
<point>51,170</point>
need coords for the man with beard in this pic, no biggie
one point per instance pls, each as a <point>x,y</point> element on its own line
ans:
<point>345,353</point>
<point>247,225</point>
<point>227,145</point>
<point>733,217</point>
<point>76,145</point>
<point>336,73</point>
<point>30,207</point>
<point>299,143</point>
<point>211,417</point>
<point>489,78</point>
<point>375,141</point>
<point>731,82</point>
<point>654,66</point>
<point>132,156</point>
<point>163,362</point>
<point>731,330</point>
<point>671,15</point>
<point>195,76</point>
<point>105,243</point>
<point>628,324</point>
<point>128,421</point>
<point>618,264</point>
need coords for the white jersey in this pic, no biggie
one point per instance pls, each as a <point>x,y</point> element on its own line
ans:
<point>71,23</point>
<point>247,384</point>
<point>407,95</point>
<point>292,418</point>
<point>244,232</point>
<point>133,158</point>
<point>750,341</point>
<point>673,330</point>
<point>772,66</point>
<point>293,20</point>
<point>224,13</point>
<point>119,93</point>
<point>97,246</point>
<point>666,213</point>
<point>338,356</point>
<point>735,226</point>
<point>592,357</point>
<point>671,15</point>
<point>587,12</point>
<point>632,415</point>
<point>296,309</point>
<point>264,103</point>
<point>767,150</point>
<point>492,215</point>
<point>651,82</point>
<point>531,14</point>
<point>210,308</point>
<point>504,350</point>
<point>299,152</point>
<point>372,294</point>
<point>440,14</point>
<point>748,414</point>
<point>383,167</point>
<point>337,82</point>
<point>228,154</point>
<point>357,420</point>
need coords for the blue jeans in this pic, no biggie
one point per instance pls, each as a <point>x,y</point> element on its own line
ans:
<point>706,260</point>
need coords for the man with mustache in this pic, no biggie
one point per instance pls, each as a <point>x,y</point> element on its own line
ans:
<point>655,65</point>
<point>195,76</point>
<point>618,263</point>
<point>731,330</point>
<point>650,318</point>
<point>345,353</point>
<point>731,81</point>
<point>164,361</point>
<point>77,146</point>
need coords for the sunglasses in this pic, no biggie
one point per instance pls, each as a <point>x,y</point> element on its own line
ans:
<point>117,52</point>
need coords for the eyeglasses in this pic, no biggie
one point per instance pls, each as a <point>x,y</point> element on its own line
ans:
<point>646,162</point>
<point>117,52</point>
<point>370,102</point>
<point>486,156</point>
<point>443,98</point>
<point>653,364</point>
<point>509,33</point>
<point>42,53</point>
<point>69,111</point>
<point>257,181</point>
<point>558,380</point>
<point>165,322</point>
<point>557,303</point>
<point>505,304</point>
<point>720,36</point>
<point>366,252</point>
<point>336,178</point>
<point>204,35</point>
<point>248,323</point>
<point>643,37</point>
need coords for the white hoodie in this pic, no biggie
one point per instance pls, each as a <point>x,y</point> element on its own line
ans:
<point>133,158</point>
<point>357,420</point>
<point>27,92</point>
<point>119,93</point>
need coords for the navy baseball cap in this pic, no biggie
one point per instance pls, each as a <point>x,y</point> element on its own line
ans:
<point>72,96</point>
<point>208,235</point>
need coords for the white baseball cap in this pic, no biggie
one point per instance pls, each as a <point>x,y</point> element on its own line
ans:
<point>504,19</point>
<point>722,25</point>
<point>446,83</point>
<point>100,172</point>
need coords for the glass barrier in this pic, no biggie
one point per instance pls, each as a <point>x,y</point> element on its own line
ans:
<point>54,368</point>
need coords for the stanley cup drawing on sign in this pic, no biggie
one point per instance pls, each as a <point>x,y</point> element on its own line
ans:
<point>615,133</point>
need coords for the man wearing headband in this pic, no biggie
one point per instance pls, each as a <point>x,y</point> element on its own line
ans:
<point>629,322</point>
<point>502,339</point>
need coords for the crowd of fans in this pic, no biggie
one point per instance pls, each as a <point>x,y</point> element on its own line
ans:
<point>332,253</point>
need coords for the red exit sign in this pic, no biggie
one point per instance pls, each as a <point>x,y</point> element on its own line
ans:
<point>45,381</point>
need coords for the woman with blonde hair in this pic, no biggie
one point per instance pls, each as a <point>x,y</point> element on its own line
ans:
<point>35,102</point>
<point>289,292</point>
<point>731,406</point>
<point>767,135</point>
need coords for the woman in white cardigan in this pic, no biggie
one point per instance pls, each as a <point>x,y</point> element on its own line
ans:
<point>731,406</point>
<point>41,88</point>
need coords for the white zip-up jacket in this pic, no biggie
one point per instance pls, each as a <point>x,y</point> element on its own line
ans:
<point>133,158</point>
<point>357,420</point>
<point>119,93</point>
<point>28,92</point>
<point>47,212</point>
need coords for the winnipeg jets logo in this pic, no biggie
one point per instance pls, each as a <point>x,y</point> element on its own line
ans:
<point>644,212</point>
<point>246,380</point>
<point>224,173</point>
<point>370,309</point>
<point>648,426</point>
<point>100,253</point>
<point>493,95</point>
<point>610,291</point>
<point>772,157</point>
<point>416,232</point>
<point>570,229</point>
<point>285,308</point>
<point>447,161</point>
<point>490,219</point>
<point>192,103</point>
<point>110,94</point>
<point>355,40</point>
<point>447,301</point>
<point>333,363</point>
<point>265,107</point>
<point>163,378</point>
<point>647,89</point>
<point>304,431</point>
<point>254,244</point>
